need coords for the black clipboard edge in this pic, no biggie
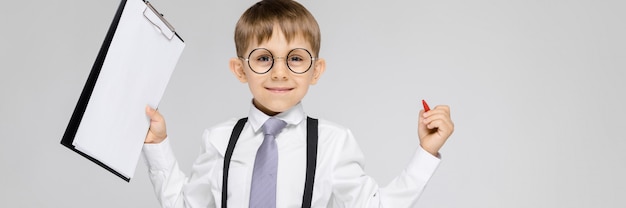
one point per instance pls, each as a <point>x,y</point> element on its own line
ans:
<point>83,100</point>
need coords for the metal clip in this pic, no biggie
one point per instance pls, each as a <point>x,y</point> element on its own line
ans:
<point>171,31</point>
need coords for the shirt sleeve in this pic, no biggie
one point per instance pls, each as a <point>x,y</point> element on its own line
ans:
<point>405,189</point>
<point>165,175</point>
<point>171,184</point>
<point>353,188</point>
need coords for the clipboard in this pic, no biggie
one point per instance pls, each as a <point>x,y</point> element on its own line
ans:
<point>132,69</point>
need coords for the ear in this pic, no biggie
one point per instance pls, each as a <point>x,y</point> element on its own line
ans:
<point>318,69</point>
<point>236,66</point>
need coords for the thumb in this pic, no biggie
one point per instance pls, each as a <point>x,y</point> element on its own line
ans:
<point>150,111</point>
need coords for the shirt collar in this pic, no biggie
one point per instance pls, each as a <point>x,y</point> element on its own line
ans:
<point>293,116</point>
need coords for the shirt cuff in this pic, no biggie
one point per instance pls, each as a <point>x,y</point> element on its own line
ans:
<point>159,156</point>
<point>423,163</point>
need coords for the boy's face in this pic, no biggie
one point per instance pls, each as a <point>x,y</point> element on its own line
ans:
<point>279,89</point>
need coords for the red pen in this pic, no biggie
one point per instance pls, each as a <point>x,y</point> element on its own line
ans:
<point>426,108</point>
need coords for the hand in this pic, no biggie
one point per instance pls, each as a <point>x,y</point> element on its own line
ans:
<point>434,127</point>
<point>157,132</point>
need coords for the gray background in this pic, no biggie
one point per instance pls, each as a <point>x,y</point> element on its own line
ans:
<point>536,89</point>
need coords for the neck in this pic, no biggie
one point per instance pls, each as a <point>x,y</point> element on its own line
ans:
<point>264,109</point>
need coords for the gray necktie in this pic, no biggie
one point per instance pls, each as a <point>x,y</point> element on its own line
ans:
<point>263,189</point>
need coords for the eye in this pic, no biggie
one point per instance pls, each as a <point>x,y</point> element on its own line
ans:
<point>264,58</point>
<point>295,58</point>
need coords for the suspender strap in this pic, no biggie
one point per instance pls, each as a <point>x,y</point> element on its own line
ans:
<point>311,159</point>
<point>234,136</point>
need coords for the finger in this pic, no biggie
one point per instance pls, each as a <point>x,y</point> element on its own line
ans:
<point>438,110</point>
<point>436,117</point>
<point>443,107</point>
<point>153,114</point>
<point>422,129</point>
<point>438,124</point>
<point>420,120</point>
<point>443,128</point>
<point>149,111</point>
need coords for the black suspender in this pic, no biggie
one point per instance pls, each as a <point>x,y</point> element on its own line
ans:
<point>311,159</point>
<point>234,136</point>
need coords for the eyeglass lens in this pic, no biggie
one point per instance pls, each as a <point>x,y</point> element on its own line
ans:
<point>298,60</point>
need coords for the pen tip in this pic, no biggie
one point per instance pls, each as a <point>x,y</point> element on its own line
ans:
<point>426,108</point>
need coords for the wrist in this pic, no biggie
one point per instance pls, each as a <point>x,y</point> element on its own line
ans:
<point>154,139</point>
<point>432,150</point>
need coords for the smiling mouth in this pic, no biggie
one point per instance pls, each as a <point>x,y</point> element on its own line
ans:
<point>279,89</point>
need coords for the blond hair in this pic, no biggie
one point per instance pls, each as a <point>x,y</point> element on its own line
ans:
<point>257,23</point>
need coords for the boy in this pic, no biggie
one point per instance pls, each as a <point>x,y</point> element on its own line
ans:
<point>263,169</point>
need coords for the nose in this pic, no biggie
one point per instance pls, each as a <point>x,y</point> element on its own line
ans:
<point>279,70</point>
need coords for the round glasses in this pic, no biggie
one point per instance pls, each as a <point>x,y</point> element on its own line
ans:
<point>261,60</point>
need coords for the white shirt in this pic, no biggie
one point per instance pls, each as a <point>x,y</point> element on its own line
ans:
<point>339,180</point>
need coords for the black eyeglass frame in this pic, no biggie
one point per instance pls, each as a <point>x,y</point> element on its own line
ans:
<point>274,58</point>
